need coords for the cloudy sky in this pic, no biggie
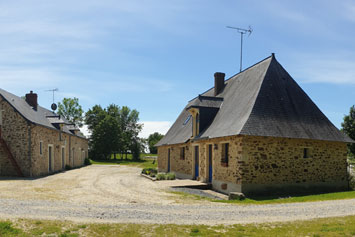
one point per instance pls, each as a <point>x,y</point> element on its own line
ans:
<point>156,55</point>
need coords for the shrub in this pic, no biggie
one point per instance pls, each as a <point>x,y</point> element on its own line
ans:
<point>67,167</point>
<point>160,176</point>
<point>170,176</point>
<point>352,183</point>
<point>150,171</point>
<point>87,161</point>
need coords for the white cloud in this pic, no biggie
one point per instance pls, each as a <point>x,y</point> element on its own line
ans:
<point>326,70</point>
<point>150,127</point>
<point>84,129</point>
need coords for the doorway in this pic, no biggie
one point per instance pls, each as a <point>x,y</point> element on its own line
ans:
<point>210,163</point>
<point>168,160</point>
<point>63,158</point>
<point>196,162</point>
<point>50,158</point>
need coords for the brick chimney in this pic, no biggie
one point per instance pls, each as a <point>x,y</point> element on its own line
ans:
<point>218,82</point>
<point>31,99</point>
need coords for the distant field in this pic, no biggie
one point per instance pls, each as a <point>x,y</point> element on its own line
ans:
<point>340,226</point>
<point>145,162</point>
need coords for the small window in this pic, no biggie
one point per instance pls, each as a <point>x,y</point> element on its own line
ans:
<point>182,153</point>
<point>306,153</point>
<point>187,119</point>
<point>41,148</point>
<point>225,154</point>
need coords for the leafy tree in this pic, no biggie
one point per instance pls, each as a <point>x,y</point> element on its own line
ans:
<point>130,128</point>
<point>152,140</point>
<point>105,138</point>
<point>94,116</point>
<point>71,110</point>
<point>348,126</point>
<point>114,129</point>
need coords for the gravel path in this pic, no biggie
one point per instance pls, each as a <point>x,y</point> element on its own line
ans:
<point>130,202</point>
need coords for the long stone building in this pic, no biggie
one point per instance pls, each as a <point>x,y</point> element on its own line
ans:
<point>35,141</point>
<point>256,132</point>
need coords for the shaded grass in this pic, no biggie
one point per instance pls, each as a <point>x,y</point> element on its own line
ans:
<point>340,226</point>
<point>275,199</point>
<point>144,162</point>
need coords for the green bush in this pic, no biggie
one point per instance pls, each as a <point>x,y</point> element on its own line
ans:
<point>161,176</point>
<point>352,182</point>
<point>67,167</point>
<point>87,161</point>
<point>150,171</point>
<point>170,176</point>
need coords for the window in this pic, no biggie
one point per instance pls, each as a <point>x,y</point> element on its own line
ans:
<point>225,154</point>
<point>187,119</point>
<point>41,148</point>
<point>306,153</point>
<point>182,153</point>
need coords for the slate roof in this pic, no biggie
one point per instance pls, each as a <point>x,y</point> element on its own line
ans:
<point>262,100</point>
<point>41,116</point>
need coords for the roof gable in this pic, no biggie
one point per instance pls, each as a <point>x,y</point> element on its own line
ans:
<point>40,116</point>
<point>262,100</point>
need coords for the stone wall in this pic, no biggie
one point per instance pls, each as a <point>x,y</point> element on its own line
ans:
<point>263,163</point>
<point>279,161</point>
<point>75,150</point>
<point>182,167</point>
<point>15,131</point>
<point>23,139</point>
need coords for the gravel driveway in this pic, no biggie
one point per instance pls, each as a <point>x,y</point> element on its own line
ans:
<point>118,194</point>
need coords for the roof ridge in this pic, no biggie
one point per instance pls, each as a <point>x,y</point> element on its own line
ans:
<point>272,56</point>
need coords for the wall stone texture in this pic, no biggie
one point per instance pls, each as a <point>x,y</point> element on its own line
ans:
<point>23,139</point>
<point>257,163</point>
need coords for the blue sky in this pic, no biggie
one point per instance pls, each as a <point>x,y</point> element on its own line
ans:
<point>156,55</point>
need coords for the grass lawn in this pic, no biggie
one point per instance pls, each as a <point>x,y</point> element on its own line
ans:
<point>144,162</point>
<point>340,226</point>
<point>276,199</point>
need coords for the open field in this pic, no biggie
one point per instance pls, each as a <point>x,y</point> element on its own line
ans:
<point>341,226</point>
<point>145,162</point>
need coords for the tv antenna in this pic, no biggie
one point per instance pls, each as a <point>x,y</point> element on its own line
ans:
<point>53,106</point>
<point>242,32</point>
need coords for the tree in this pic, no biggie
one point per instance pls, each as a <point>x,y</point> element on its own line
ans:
<point>348,126</point>
<point>130,128</point>
<point>94,116</point>
<point>71,110</point>
<point>115,123</point>
<point>105,138</point>
<point>152,140</point>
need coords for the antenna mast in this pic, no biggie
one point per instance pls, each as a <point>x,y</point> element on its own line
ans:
<point>242,32</point>
<point>53,106</point>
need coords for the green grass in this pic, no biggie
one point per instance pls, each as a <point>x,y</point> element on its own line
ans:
<point>144,162</point>
<point>276,199</point>
<point>340,226</point>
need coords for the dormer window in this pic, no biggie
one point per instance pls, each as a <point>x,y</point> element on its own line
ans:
<point>195,121</point>
<point>187,119</point>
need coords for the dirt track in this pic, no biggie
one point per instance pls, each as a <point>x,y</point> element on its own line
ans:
<point>120,194</point>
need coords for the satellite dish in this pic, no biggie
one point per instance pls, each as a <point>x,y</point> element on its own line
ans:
<point>54,106</point>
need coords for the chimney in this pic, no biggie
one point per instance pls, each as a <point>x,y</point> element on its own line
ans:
<point>31,99</point>
<point>218,82</point>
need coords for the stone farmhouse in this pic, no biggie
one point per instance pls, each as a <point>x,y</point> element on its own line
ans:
<point>35,141</point>
<point>256,132</point>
